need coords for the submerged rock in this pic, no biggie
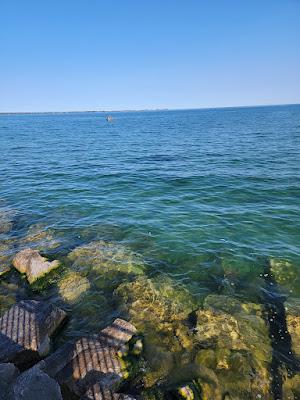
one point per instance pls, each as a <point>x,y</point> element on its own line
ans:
<point>6,220</point>
<point>91,361</point>
<point>34,384</point>
<point>158,305</point>
<point>291,386</point>
<point>292,309</point>
<point>159,309</point>
<point>41,238</point>
<point>109,263</point>
<point>31,263</point>
<point>233,342</point>
<point>8,373</point>
<point>72,286</point>
<point>286,275</point>
<point>25,331</point>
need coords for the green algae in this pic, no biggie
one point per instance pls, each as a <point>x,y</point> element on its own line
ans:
<point>235,345</point>
<point>292,310</point>
<point>109,263</point>
<point>228,350</point>
<point>158,308</point>
<point>71,286</point>
<point>157,304</point>
<point>286,275</point>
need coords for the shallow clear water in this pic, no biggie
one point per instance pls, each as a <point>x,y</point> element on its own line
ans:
<point>204,196</point>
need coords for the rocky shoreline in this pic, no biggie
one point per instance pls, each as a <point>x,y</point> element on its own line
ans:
<point>160,341</point>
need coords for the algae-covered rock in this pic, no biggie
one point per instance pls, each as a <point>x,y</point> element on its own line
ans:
<point>186,392</point>
<point>31,263</point>
<point>291,386</point>
<point>292,310</point>
<point>72,286</point>
<point>159,309</point>
<point>158,304</point>
<point>286,274</point>
<point>109,263</point>
<point>233,341</point>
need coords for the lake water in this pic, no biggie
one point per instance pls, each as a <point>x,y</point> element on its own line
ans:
<point>196,202</point>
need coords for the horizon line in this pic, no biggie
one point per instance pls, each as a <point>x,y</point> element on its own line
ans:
<point>146,109</point>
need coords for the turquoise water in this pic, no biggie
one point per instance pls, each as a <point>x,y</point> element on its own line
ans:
<point>203,196</point>
<point>175,185</point>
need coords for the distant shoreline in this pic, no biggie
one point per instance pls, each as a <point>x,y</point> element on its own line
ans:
<point>144,110</point>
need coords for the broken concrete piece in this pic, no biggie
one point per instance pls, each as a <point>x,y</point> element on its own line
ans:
<point>31,263</point>
<point>25,331</point>
<point>91,360</point>
<point>118,334</point>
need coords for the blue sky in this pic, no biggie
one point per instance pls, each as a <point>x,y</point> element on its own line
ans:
<point>129,54</point>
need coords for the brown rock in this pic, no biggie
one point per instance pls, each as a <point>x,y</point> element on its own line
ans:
<point>25,330</point>
<point>31,263</point>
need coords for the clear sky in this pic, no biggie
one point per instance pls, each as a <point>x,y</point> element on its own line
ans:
<point>58,55</point>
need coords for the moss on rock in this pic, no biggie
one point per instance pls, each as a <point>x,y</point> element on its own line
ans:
<point>286,274</point>
<point>234,342</point>
<point>292,309</point>
<point>72,286</point>
<point>159,309</point>
<point>109,263</point>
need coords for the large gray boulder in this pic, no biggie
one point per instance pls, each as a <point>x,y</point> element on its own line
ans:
<point>8,373</point>
<point>25,331</point>
<point>31,263</point>
<point>34,384</point>
<point>92,362</point>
